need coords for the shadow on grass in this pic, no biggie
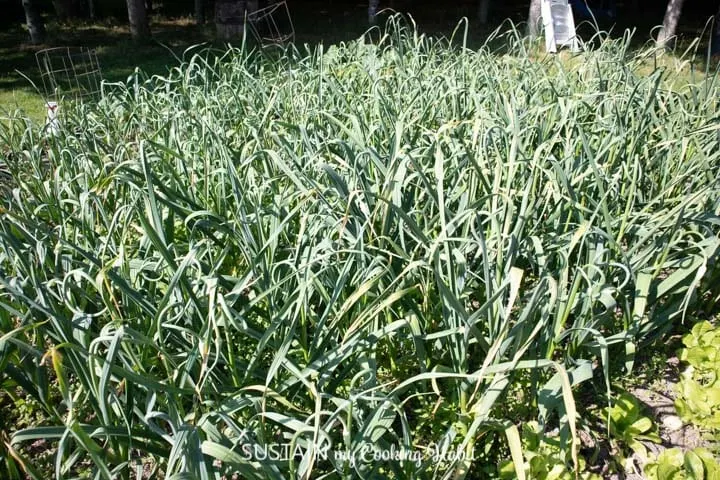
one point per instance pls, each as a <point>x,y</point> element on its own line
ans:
<point>318,22</point>
<point>117,54</point>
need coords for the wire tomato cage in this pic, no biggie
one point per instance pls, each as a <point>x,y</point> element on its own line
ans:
<point>272,24</point>
<point>67,73</point>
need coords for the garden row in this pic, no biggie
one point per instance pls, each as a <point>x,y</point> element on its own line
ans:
<point>392,246</point>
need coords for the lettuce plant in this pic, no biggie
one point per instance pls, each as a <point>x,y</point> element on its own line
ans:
<point>698,399</point>
<point>629,426</point>
<point>673,464</point>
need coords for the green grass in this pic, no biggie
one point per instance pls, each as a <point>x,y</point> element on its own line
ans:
<point>117,54</point>
<point>25,100</point>
<point>372,245</point>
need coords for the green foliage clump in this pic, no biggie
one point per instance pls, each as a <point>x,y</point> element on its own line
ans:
<point>673,464</point>
<point>366,248</point>
<point>544,459</point>
<point>629,426</point>
<point>698,399</point>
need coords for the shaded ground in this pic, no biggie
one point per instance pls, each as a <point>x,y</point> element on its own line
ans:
<point>654,384</point>
<point>659,398</point>
<point>117,54</point>
<point>658,395</point>
<point>315,21</point>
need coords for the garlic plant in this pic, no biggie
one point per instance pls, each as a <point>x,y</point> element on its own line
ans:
<point>322,247</point>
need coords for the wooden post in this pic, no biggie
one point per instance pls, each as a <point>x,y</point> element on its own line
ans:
<point>715,42</point>
<point>670,23</point>
<point>483,11</point>
<point>139,26</point>
<point>34,21</point>
<point>229,18</point>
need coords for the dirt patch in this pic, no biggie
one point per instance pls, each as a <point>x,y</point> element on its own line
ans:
<point>659,400</point>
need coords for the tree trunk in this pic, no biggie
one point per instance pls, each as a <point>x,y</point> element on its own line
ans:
<point>534,15</point>
<point>91,9</point>
<point>229,18</point>
<point>483,11</point>
<point>715,47</point>
<point>373,6</point>
<point>63,8</point>
<point>670,23</point>
<point>139,26</point>
<point>34,21</point>
<point>199,12</point>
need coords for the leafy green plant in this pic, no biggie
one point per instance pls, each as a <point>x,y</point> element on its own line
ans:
<point>673,464</point>
<point>629,426</point>
<point>698,400</point>
<point>543,459</point>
